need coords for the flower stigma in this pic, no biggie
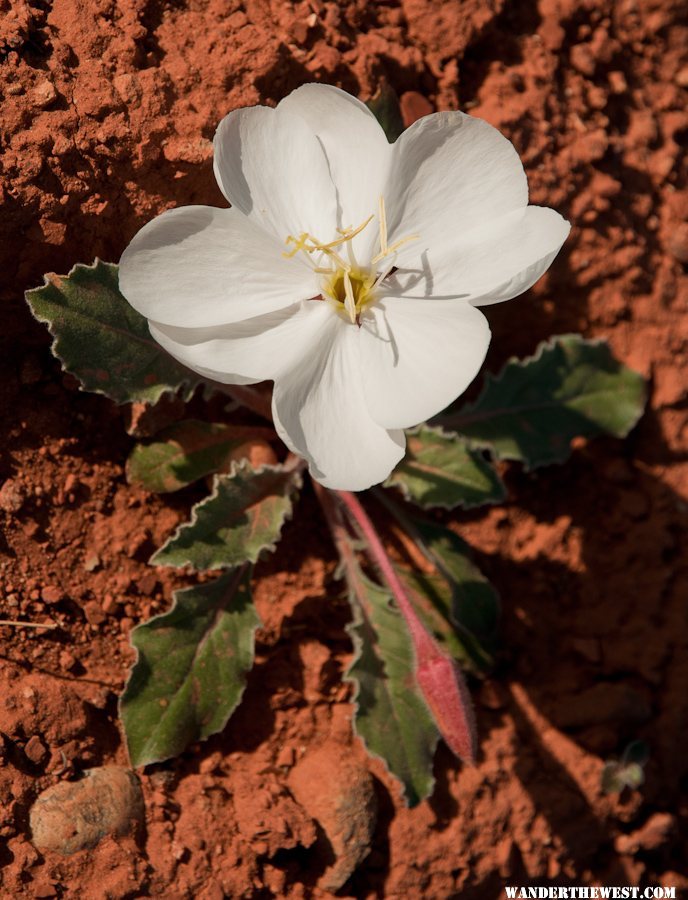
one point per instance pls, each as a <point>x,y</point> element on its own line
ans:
<point>348,285</point>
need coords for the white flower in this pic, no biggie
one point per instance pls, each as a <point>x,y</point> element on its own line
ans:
<point>348,270</point>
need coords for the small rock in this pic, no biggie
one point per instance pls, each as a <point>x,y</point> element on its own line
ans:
<point>94,614</point>
<point>678,243</point>
<point>51,594</point>
<point>43,891</point>
<point>617,82</point>
<point>73,816</point>
<point>35,750</point>
<point>91,562</point>
<point>67,660</point>
<point>285,758</point>
<point>12,496</point>
<point>44,94</point>
<point>583,59</point>
<point>337,791</point>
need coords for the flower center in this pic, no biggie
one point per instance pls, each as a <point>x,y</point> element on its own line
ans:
<point>349,286</point>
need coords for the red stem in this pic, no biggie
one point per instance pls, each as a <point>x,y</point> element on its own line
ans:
<point>379,554</point>
<point>438,675</point>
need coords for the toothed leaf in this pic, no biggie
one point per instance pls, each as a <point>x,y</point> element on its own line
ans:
<point>191,668</point>
<point>532,410</point>
<point>242,518</point>
<point>391,714</point>
<point>187,451</point>
<point>102,340</point>
<point>442,470</point>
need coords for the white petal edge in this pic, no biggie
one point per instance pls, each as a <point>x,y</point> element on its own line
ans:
<point>523,257</point>
<point>270,165</point>
<point>197,265</point>
<point>320,413</point>
<point>357,150</point>
<point>419,355</point>
<point>246,352</point>
<point>450,170</point>
<point>490,264</point>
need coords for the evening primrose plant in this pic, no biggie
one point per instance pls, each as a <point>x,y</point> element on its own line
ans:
<point>349,271</point>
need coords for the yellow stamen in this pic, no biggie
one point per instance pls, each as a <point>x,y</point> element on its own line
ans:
<point>395,246</point>
<point>349,287</point>
<point>349,302</point>
<point>383,226</point>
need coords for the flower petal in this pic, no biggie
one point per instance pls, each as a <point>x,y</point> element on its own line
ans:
<point>450,173</point>
<point>246,352</point>
<point>197,265</point>
<point>419,355</point>
<point>271,166</point>
<point>522,256</point>
<point>490,264</point>
<point>356,148</point>
<point>320,412</point>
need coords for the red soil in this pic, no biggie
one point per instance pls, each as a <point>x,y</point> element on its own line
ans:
<point>108,109</point>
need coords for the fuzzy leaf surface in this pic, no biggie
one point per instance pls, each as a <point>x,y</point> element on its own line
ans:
<point>570,388</point>
<point>442,470</point>
<point>185,452</point>
<point>391,714</point>
<point>242,517</point>
<point>454,599</point>
<point>102,340</point>
<point>191,668</point>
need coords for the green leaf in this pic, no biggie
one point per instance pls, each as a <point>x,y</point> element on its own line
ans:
<point>185,452</point>
<point>242,518</point>
<point>191,668</point>
<point>391,714</point>
<point>533,409</point>
<point>102,340</point>
<point>441,470</point>
<point>386,109</point>
<point>455,600</point>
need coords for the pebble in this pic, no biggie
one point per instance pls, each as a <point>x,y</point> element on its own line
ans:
<point>73,816</point>
<point>44,94</point>
<point>12,496</point>
<point>678,243</point>
<point>337,791</point>
<point>35,750</point>
<point>51,594</point>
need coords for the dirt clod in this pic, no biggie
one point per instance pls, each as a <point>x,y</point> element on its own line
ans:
<point>35,750</point>
<point>651,836</point>
<point>337,791</point>
<point>73,816</point>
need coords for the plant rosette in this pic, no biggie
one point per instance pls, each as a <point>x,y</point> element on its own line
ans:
<point>349,271</point>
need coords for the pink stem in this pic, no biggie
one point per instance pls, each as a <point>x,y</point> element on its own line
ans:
<point>438,675</point>
<point>360,517</point>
